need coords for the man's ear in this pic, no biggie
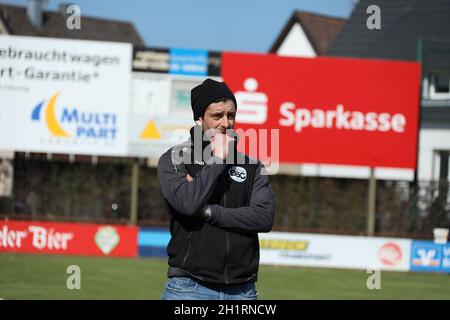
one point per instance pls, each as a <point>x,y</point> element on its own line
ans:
<point>199,121</point>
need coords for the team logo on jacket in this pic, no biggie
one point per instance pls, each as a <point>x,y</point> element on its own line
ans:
<point>238,174</point>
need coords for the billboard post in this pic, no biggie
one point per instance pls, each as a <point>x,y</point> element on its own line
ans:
<point>134,191</point>
<point>371,203</point>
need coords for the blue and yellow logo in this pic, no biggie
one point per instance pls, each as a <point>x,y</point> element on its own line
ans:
<point>75,122</point>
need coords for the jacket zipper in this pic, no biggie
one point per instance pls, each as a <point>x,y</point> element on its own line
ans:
<point>226,258</point>
<point>228,245</point>
<point>189,248</point>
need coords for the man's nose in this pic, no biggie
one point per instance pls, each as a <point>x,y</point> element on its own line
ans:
<point>225,122</point>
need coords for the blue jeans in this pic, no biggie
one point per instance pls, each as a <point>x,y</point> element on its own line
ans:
<point>185,288</point>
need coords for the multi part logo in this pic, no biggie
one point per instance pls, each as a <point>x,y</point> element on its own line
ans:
<point>73,122</point>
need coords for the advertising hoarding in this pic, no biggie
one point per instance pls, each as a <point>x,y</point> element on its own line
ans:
<point>64,96</point>
<point>334,251</point>
<point>430,257</point>
<point>330,110</point>
<point>68,238</point>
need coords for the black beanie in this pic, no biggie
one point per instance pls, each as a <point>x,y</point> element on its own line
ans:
<point>208,92</point>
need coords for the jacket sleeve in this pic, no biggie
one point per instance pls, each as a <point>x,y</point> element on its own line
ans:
<point>257,217</point>
<point>187,197</point>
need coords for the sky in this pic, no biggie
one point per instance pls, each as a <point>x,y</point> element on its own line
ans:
<point>231,25</point>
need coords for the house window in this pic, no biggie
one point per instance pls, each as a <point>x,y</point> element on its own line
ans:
<point>441,165</point>
<point>435,88</point>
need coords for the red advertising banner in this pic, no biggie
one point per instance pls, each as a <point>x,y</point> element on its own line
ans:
<point>329,110</point>
<point>68,238</point>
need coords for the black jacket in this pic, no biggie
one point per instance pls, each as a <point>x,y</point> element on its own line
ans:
<point>225,248</point>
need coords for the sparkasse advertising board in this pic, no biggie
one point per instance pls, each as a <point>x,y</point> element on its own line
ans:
<point>329,110</point>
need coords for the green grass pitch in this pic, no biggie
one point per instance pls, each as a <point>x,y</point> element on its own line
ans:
<point>44,277</point>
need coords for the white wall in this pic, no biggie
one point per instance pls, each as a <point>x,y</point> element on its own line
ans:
<point>3,29</point>
<point>296,44</point>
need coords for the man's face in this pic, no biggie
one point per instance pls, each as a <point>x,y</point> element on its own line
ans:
<point>219,116</point>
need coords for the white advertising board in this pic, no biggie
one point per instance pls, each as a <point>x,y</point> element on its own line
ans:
<point>161,113</point>
<point>64,96</point>
<point>334,251</point>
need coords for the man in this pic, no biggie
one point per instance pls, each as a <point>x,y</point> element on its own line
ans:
<point>218,201</point>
